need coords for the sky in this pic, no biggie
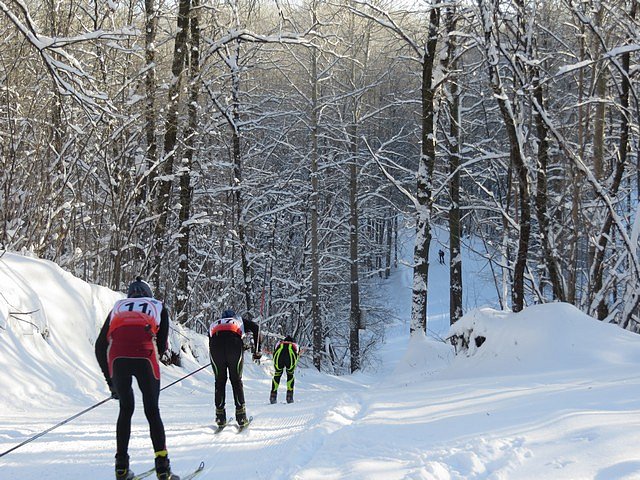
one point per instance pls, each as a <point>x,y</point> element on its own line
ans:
<point>550,394</point>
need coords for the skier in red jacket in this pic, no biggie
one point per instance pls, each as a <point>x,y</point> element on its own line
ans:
<point>132,339</point>
<point>226,352</point>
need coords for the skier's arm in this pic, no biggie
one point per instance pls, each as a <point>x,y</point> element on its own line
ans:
<point>163,331</point>
<point>255,331</point>
<point>101,350</point>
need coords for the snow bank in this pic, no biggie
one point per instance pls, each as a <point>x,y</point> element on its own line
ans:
<point>549,337</point>
<point>422,358</point>
<point>47,331</point>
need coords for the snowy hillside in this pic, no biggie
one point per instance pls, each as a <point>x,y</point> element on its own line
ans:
<point>550,394</point>
<point>49,322</point>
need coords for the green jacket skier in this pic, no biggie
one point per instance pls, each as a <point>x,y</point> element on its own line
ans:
<point>285,357</point>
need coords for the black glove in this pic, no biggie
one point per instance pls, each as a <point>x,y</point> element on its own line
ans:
<point>257,355</point>
<point>114,394</point>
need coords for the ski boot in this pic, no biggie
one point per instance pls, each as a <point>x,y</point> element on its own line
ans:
<point>221,417</point>
<point>122,467</point>
<point>289,396</point>
<point>273,398</point>
<point>241,416</point>
<point>163,467</point>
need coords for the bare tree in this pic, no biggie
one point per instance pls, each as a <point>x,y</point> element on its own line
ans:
<point>454,140</point>
<point>165,179</point>
<point>183,289</point>
<point>489,13</point>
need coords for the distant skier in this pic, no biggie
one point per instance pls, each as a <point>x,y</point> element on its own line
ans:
<point>226,351</point>
<point>285,357</point>
<point>130,342</point>
<point>441,256</point>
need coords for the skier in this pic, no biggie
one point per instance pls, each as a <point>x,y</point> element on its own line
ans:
<point>226,352</point>
<point>285,356</point>
<point>441,256</point>
<point>129,344</point>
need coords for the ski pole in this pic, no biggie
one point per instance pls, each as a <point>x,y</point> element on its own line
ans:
<point>186,376</point>
<point>29,440</point>
<point>35,437</point>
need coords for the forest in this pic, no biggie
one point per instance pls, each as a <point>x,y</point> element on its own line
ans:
<point>265,154</point>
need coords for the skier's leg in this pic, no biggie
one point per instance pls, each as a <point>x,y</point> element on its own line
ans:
<point>235,362</point>
<point>122,383</point>
<point>290,365</point>
<point>291,368</point>
<point>275,383</point>
<point>219,365</point>
<point>279,370</point>
<point>150,388</point>
<point>290,378</point>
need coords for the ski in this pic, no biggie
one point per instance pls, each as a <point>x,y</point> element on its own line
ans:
<point>195,473</point>
<point>240,428</point>
<point>189,476</point>
<point>218,428</point>
<point>145,474</point>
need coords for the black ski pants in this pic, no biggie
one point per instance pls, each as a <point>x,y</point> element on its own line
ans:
<point>284,358</point>
<point>225,349</point>
<point>124,369</point>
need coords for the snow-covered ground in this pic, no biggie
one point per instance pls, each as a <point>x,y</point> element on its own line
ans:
<point>551,394</point>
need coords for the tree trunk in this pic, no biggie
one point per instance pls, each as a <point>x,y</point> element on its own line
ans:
<point>633,297</point>
<point>151,22</point>
<point>390,232</point>
<point>424,183</point>
<point>186,190</point>
<point>170,138</point>
<point>576,186</point>
<point>395,241</point>
<point>546,238</point>
<point>237,182</point>
<point>600,95</point>
<point>318,336</point>
<point>516,156</point>
<point>455,227</point>
<point>355,313</point>
<point>599,85</point>
<point>602,310</point>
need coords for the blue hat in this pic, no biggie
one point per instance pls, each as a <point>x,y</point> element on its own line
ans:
<point>139,288</point>
<point>228,313</point>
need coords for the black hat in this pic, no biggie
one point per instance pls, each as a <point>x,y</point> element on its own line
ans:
<point>139,288</point>
<point>228,313</point>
